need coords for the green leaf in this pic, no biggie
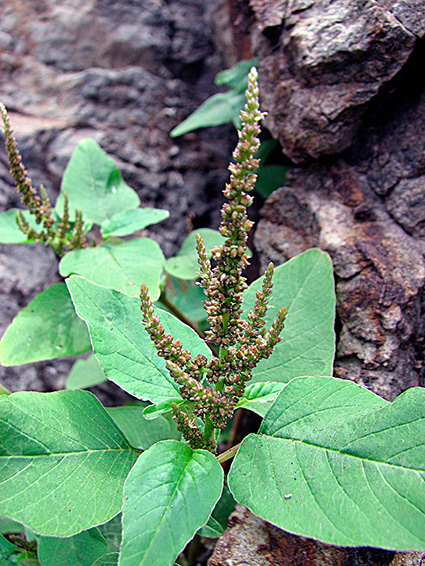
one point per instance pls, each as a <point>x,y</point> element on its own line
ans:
<point>188,297</point>
<point>334,462</point>
<point>10,232</point>
<point>4,391</point>
<point>305,286</point>
<point>140,432</point>
<point>82,549</point>
<point>9,526</point>
<point>155,410</point>
<point>123,267</point>
<point>216,110</point>
<point>169,495</point>
<point>212,529</point>
<point>121,344</point>
<point>236,77</point>
<point>110,559</point>
<point>94,185</point>
<point>47,328</point>
<point>85,373</point>
<point>185,264</point>
<point>111,531</point>
<point>270,178</point>
<point>129,221</point>
<point>6,548</point>
<point>63,462</point>
<point>259,397</point>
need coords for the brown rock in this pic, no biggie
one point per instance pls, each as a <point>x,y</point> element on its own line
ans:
<point>323,62</point>
<point>249,541</point>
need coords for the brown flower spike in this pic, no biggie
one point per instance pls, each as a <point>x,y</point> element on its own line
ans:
<point>212,388</point>
<point>62,238</point>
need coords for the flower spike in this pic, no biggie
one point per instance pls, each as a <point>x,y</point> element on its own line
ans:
<point>210,389</point>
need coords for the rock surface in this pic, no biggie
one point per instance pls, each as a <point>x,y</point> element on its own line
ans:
<point>124,73</point>
<point>249,541</point>
<point>323,62</point>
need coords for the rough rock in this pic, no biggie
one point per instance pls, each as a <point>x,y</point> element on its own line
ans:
<point>323,63</point>
<point>249,541</point>
<point>124,73</point>
<point>379,269</point>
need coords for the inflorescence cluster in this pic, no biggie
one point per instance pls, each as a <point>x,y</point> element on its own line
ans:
<point>212,388</point>
<point>55,232</point>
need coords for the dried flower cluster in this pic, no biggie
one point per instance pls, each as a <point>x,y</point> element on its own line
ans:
<point>212,388</point>
<point>55,233</point>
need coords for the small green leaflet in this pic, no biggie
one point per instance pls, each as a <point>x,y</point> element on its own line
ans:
<point>129,221</point>
<point>94,185</point>
<point>52,481</point>
<point>185,264</point>
<point>218,109</point>
<point>169,494</point>
<point>305,286</point>
<point>334,462</point>
<point>10,232</point>
<point>121,344</point>
<point>141,433</point>
<point>47,328</point>
<point>259,397</point>
<point>123,267</point>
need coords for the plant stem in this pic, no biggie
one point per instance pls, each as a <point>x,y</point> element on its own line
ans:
<point>228,454</point>
<point>208,429</point>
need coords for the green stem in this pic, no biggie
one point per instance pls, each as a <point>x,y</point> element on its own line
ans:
<point>224,456</point>
<point>208,429</point>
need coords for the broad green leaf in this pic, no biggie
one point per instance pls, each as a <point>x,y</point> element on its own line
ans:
<point>94,185</point>
<point>259,397</point>
<point>85,373</point>
<point>185,264</point>
<point>305,286</point>
<point>212,529</point>
<point>140,432</point>
<point>123,267</point>
<point>237,76</point>
<point>216,110</point>
<point>168,496</point>
<point>45,329</point>
<point>156,409</point>
<point>63,462</point>
<point>334,462</point>
<point>129,221</point>
<point>121,344</point>
<point>10,232</point>
<point>82,549</point>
